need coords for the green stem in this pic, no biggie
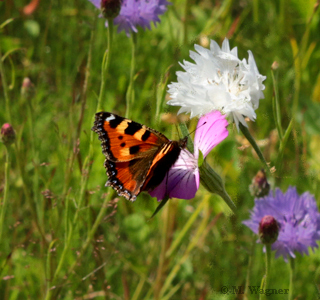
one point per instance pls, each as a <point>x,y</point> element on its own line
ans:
<point>35,159</point>
<point>268,263</point>
<point>48,270</point>
<point>265,279</point>
<point>276,106</point>
<point>255,11</point>
<point>291,270</point>
<point>105,65</point>
<point>130,91</point>
<point>249,270</point>
<point>247,134</point>
<point>185,22</point>
<point>283,143</point>
<point>86,167</point>
<point>5,89</point>
<point>262,296</point>
<point>160,94</point>
<point>6,191</point>
<point>26,192</point>
<point>68,237</point>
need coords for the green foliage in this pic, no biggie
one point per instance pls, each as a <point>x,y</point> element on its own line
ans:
<point>67,236</point>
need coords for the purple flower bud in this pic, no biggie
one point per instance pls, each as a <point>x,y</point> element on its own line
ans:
<point>8,134</point>
<point>268,230</point>
<point>259,186</point>
<point>27,89</point>
<point>110,8</point>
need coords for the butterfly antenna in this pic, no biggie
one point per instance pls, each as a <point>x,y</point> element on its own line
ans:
<point>197,128</point>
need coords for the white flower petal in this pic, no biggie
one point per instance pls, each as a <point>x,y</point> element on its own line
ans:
<point>218,80</point>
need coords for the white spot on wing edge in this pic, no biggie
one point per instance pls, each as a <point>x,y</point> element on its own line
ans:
<point>110,118</point>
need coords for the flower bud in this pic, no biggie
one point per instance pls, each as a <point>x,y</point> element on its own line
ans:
<point>27,89</point>
<point>110,8</point>
<point>8,134</point>
<point>275,65</point>
<point>259,186</point>
<point>268,230</point>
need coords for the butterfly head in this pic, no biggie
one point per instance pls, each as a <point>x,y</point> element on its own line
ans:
<point>183,142</point>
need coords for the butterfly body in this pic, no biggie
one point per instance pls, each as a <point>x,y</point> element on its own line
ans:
<point>137,157</point>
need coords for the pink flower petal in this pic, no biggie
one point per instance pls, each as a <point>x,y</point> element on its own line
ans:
<point>182,180</point>
<point>211,130</point>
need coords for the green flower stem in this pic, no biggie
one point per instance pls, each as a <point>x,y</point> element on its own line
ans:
<point>6,191</point>
<point>265,279</point>
<point>5,88</point>
<point>268,263</point>
<point>105,65</point>
<point>160,94</point>
<point>25,186</point>
<point>35,158</point>
<point>283,143</point>
<point>130,91</point>
<point>276,106</point>
<point>48,268</point>
<point>262,297</point>
<point>253,143</point>
<point>214,184</point>
<point>291,269</point>
<point>256,11</point>
<point>166,231</point>
<point>185,22</point>
<point>67,242</point>
<point>87,161</point>
<point>249,270</point>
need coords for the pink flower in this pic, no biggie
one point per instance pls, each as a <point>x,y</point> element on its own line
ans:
<point>183,179</point>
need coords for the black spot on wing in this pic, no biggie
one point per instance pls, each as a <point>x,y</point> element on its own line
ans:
<point>132,128</point>
<point>134,149</point>
<point>120,137</point>
<point>115,122</point>
<point>145,136</point>
<point>122,144</point>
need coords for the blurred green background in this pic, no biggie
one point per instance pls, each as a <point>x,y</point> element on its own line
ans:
<point>52,246</point>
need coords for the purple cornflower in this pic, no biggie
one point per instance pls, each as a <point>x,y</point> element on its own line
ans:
<point>135,13</point>
<point>297,216</point>
<point>183,178</point>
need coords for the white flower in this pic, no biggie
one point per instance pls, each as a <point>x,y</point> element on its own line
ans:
<point>218,80</point>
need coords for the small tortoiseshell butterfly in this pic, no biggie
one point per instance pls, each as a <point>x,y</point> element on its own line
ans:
<point>137,157</point>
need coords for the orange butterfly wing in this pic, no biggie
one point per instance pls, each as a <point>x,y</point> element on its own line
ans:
<point>129,148</point>
<point>124,140</point>
<point>137,157</point>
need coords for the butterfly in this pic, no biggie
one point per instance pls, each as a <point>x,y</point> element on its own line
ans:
<point>137,157</point>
